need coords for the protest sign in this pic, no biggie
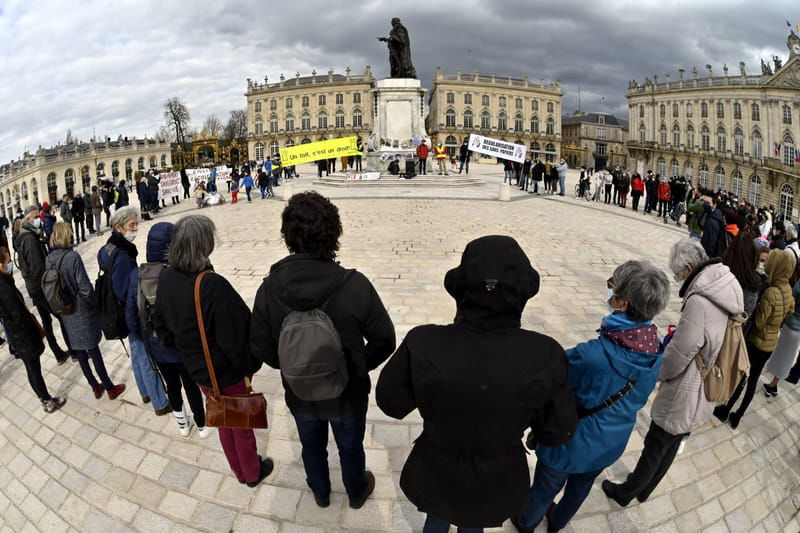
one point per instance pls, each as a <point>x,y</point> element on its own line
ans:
<point>305,153</point>
<point>170,185</point>
<point>497,148</point>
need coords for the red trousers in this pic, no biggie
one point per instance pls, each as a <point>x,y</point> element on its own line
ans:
<point>235,197</point>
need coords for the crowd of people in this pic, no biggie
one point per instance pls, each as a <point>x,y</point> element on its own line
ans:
<point>474,383</point>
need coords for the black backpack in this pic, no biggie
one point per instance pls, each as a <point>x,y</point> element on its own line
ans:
<point>56,291</point>
<point>112,311</point>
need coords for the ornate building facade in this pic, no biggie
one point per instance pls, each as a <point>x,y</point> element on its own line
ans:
<point>735,132</point>
<point>595,140</point>
<point>51,172</point>
<point>307,109</point>
<point>505,108</point>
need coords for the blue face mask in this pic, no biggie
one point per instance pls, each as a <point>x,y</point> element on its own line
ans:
<point>10,268</point>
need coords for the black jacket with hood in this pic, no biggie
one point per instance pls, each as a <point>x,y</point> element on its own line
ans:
<point>303,282</point>
<point>478,384</point>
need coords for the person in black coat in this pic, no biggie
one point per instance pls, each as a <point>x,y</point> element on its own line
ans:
<point>122,195</point>
<point>478,384</point>
<point>305,280</point>
<point>185,183</point>
<point>464,156</point>
<point>24,333</point>
<point>227,324</point>
<point>526,173</point>
<point>537,173</point>
<point>713,228</point>
<point>78,211</point>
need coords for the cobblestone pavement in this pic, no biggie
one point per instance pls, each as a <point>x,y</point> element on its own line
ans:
<point>103,466</point>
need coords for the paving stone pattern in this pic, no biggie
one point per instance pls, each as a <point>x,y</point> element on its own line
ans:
<point>103,466</point>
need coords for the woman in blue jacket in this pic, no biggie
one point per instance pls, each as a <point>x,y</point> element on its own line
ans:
<point>612,377</point>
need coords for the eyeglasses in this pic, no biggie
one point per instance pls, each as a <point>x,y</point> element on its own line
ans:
<point>610,283</point>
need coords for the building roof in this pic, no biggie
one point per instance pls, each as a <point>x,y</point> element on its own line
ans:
<point>593,118</point>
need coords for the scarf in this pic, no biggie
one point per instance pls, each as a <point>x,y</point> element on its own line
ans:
<point>121,242</point>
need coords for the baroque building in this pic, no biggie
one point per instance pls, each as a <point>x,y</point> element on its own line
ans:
<point>307,109</point>
<point>506,108</point>
<point>51,172</point>
<point>736,132</point>
<point>594,140</point>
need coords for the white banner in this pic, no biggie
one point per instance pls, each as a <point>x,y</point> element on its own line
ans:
<point>170,185</point>
<point>497,148</point>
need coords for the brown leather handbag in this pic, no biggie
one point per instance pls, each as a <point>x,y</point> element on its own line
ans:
<point>237,411</point>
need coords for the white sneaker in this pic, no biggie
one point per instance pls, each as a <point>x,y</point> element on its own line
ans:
<point>204,432</point>
<point>185,427</point>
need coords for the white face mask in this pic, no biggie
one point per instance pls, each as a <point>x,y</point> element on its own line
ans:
<point>10,268</point>
<point>760,268</point>
<point>130,236</point>
<point>37,222</point>
<point>608,301</point>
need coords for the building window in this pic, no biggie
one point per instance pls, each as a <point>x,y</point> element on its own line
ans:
<point>451,145</point>
<point>787,200</point>
<point>737,111</point>
<point>273,148</point>
<point>661,167</point>
<point>601,119</point>
<point>322,120</point>
<point>128,169</point>
<point>705,138</point>
<point>720,110</point>
<point>115,167</point>
<point>736,179</point>
<point>755,190</point>
<point>259,127</point>
<point>704,110</point>
<point>675,110</point>
<point>755,112</point>
<point>601,133</point>
<point>52,188</point>
<point>163,161</point>
<point>738,142</point>
<point>518,122</point>
<point>703,175</point>
<point>357,122</point>
<point>69,179</point>
<point>662,111</point>
<point>468,119</point>
<point>339,119</point>
<point>273,124</point>
<point>486,120</point>
<point>485,99</point>
<point>450,119</point>
<point>305,121</point>
<point>289,103</point>
<point>467,99</point>
<point>305,101</point>
<point>321,100</point>
<point>600,148</point>
<point>690,136</point>
<point>288,143</point>
<point>788,151</point>
<point>641,110</point>
<point>719,175</point>
<point>550,107</point>
<point>534,105</point>
<point>356,98</point>
<point>757,151</point>
<point>518,103</point>
<point>501,121</point>
<point>259,152</point>
<point>501,101</point>
<point>787,114</point>
<point>675,167</point>
<point>550,127</point>
<point>258,107</point>
<point>550,152</point>
<point>535,150</point>
<point>722,138</point>
<point>273,105</point>
<point>153,163</point>
<point>339,99</point>
<point>140,163</point>
<point>676,136</point>
<point>451,98</point>
<point>534,124</point>
<point>689,110</point>
<point>289,123</point>
<point>641,133</point>
<point>662,134</point>
<point>688,171</point>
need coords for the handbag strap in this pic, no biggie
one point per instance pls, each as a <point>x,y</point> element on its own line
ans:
<point>201,326</point>
<point>608,402</point>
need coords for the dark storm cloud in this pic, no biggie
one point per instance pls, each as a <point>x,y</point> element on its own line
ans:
<point>109,66</point>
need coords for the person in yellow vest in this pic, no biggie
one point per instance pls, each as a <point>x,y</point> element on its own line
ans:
<point>441,158</point>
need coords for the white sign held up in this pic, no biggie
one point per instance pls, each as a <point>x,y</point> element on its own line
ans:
<point>497,148</point>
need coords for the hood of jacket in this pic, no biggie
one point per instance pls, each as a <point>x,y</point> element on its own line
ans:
<point>303,281</point>
<point>158,240</point>
<point>779,266</point>
<point>715,282</point>
<point>492,284</point>
<point>640,352</point>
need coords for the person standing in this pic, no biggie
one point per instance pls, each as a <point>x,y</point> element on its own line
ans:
<point>615,176</point>
<point>608,183</point>
<point>24,334</point>
<point>263,182</point>
<point>233,185</point>
<point>153,185</point>
<point>463,156</point>
<point>526,174</point>
<point>538,173</point>
<point>78,211</point>
<point>637,190</point>
<point>441,158</point>
<point>310,279</point>
<point>31,255</point>
<point>562,177</point>
<point>478,368</point>
<point>713,227</point>
<point>357,159</point>
<point>122,195</point>
<point>623,186</point>
<point>663,196</point>
<point>82,325</point>
<point>422,154</point>
<point>97,210</point>
<point>247,182</point>
<point>226,319</point>
<point>554,178</point>
<point>186,184</point>
<point>64,210</point>
<point>87,211</point>
<point>695,208</point>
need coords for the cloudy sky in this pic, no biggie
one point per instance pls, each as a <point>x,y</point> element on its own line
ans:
<point>108,67</point>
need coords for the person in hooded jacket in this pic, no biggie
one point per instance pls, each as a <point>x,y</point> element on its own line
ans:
<point>617,370</point>
<point>307,279</point>
<point>483,367</point>
<point>168,360</point>
<point>711,294</point>
<point>24,333</point>
<point>775,306</point>
<point>713,227</point>
<point>122,195</point>
<point>537,172</point>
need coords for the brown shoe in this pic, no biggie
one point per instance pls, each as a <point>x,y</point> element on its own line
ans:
<point>358,504</point>
<point>115,391</point>
<point>145,399</point>
<point>164,410</point>
<point>98,391</point>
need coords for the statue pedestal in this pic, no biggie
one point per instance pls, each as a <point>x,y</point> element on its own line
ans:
<point>398,121</point>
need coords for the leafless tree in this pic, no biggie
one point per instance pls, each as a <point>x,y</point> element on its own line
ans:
<point>213,125</point>
<point>236,128</point>
<point>165,133</point>
<point>177,118</point>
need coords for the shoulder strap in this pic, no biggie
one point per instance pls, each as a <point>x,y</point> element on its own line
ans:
<point>608,402</point>
<point>201,326</point>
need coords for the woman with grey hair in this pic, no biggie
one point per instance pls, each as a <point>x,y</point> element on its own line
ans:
<point>710,295</point>
<point>612,377</point>
<point>227,325</point>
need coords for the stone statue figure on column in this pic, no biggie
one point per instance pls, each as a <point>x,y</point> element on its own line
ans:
<point>399,51</point>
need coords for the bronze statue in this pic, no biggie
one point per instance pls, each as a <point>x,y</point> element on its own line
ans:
<point>399,51</point>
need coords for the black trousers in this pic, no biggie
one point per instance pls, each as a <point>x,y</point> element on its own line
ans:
<point>758,358</point>
<point>663,208</point>
<point>423,163</point>
<point>80,230</point>
<point>186,192</point>
<point>90,220</point>
<point>660,449</point>
<point>47,323</point>
<point>607,196</point>
<point>616,194</point>
<point>636,195</point>
<point>174,374</point>
<point>33,368</point>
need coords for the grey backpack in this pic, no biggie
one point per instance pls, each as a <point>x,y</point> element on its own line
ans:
<point>310,353</point>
